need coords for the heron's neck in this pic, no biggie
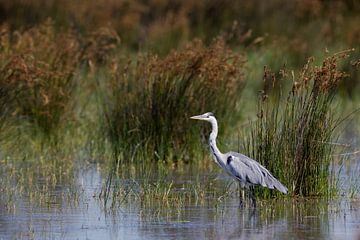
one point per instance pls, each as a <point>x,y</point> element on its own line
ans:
<point>213,136</point>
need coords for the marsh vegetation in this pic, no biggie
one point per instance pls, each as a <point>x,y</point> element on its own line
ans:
<point>112,84</point>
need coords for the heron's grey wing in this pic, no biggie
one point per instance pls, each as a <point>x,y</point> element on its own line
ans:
<point>251,172</point>
<point>242,168</point>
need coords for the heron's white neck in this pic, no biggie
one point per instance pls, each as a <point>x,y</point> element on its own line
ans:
<point>214,149</point>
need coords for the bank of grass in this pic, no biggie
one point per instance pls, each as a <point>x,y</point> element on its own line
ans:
<point>143,114</point>
<point>293,132</point>
<point>148,103</point>
<point>292,136</point>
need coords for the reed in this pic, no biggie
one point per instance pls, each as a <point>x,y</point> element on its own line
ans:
<point>37,69</point>
<point>150,101</point>
<point>156,185</point>
<point>292,133</point>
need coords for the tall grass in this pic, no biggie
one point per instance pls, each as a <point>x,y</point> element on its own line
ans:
<point>3,113</point>
<point>146,100</point>
<point>150,101</point>
<point>37,68</point>
<point>293,133</point>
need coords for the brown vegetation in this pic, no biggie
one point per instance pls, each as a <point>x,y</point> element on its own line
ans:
<point>37,68</point>
<point>291,136</point>
<point>152,99</point>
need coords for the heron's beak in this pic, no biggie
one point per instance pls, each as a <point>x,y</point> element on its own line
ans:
<point>198,117</point>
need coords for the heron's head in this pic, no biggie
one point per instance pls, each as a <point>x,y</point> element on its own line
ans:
<point>204,117</point>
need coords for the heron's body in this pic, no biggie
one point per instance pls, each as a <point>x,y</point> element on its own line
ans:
<point>242,168</point>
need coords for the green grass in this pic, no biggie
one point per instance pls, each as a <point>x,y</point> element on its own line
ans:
<point>149,102</point>
<point>70,97</point>
<point>293,132</point>
<point>156,186</point>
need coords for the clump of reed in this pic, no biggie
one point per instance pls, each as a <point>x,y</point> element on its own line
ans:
<point>293,133</point>
<point>146,113</point>
<point>37,69</point>
<point>99,45</point>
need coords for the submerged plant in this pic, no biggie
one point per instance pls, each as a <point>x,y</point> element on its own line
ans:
<point>147,111</point>
<point>291,136</point>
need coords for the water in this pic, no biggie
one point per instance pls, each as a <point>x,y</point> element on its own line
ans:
<point>86,218</point>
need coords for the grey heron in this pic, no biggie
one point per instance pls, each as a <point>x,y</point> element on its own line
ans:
<point>245,170</point>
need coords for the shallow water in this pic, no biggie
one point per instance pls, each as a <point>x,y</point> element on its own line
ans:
<point>86,219</point>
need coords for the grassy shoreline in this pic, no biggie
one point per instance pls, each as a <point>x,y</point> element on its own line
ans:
<point>71,95</point>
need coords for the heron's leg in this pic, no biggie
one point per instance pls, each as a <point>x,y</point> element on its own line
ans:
<point>252,195</point>
<point>241,196</point>
<point>243,193</point>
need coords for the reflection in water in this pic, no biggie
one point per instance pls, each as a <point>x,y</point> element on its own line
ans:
<point>290,219</point>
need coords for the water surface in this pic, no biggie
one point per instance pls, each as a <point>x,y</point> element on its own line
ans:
<point>85,218</point>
